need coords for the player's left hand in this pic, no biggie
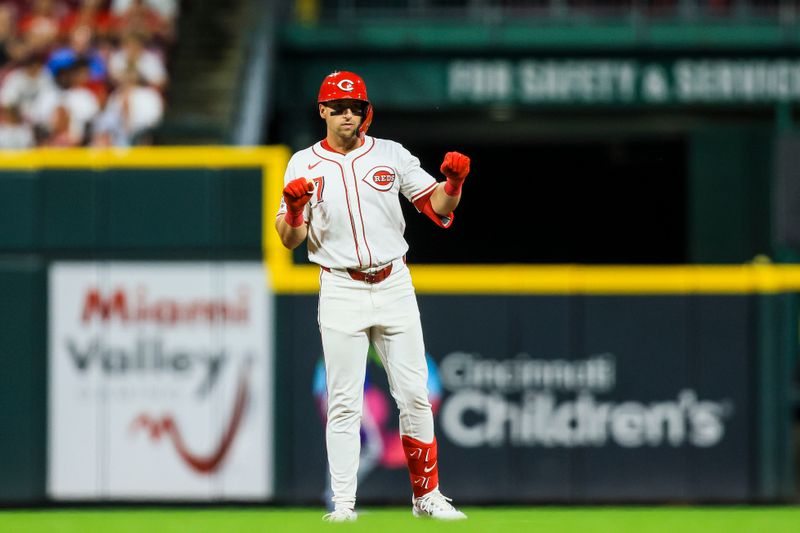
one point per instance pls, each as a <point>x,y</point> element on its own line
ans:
<point>455,167</point>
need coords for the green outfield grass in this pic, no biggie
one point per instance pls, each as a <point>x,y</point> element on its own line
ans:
<point>388,520</point>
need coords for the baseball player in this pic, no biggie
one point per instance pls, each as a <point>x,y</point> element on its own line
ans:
<point>343,195</point>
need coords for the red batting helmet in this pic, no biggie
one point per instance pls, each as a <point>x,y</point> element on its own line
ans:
<point>347,85</point>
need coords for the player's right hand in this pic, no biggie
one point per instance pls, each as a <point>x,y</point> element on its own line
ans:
<point>297,193</point>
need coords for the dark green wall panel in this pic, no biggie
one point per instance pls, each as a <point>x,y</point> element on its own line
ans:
<point>73,208</point>
<point>730,171</point>
<point>18,210</point>
<point>239,197</point>
<point>23,380</point>
<point>161,211</point>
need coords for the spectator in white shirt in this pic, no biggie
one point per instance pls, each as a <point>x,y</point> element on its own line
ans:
<point>147,63</point>
<point>15,133</point>
<point>131,112</point>
<point>26,85</point>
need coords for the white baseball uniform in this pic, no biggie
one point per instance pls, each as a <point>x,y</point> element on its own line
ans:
<point>355,222</point>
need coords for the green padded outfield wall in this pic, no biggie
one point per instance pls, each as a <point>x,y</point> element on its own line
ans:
<point>730,177</point>
<point>195,208</point>
<point>688,403</point>
<point>150,204</point>
<point>132,211</point>
<point>50,214</point>
<point>23,380</point>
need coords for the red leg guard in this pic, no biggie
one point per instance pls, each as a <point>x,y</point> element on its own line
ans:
<point>423,465</point>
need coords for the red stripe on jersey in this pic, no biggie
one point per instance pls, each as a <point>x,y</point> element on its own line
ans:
<point>423,193</point>
<point>358,197</point>
<point>347,200</point>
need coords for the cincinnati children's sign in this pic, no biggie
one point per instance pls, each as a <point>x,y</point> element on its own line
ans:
<point>159,381</point>
<point>555,403</point>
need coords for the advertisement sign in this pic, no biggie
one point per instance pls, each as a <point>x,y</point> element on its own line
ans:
<point>527,402</point>
<point>683,80</point>
<point>553,399</point>
<point>160,381</point>
<point>689,80</point>
<point>597,398</point>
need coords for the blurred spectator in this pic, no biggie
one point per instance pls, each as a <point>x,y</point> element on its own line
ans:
<point>72,108</point>
<point>7,32</point>
<point>60,58</point>
<point>140,18</point>
<point>15,133</point>
<point>26,85</point>
<point>40,26</point>
<point>80,47</point>
<point>133,54</point>
<point>168,9</point>
<point>14,49</point>
<point>90,13</point>
<point>131,113</point>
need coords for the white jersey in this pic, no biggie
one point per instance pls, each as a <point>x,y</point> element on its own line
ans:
<point>354,216</point>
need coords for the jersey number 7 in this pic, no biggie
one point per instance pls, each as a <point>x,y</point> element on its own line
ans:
<point>319,185</point>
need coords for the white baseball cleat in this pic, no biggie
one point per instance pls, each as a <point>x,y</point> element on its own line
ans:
<point>436,505</point>
<point>341,515</point>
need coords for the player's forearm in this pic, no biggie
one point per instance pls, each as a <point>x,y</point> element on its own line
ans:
<point>444,204</point>
<point>291,236</point>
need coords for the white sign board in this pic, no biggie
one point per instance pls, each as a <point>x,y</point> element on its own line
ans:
<point>160,381</point>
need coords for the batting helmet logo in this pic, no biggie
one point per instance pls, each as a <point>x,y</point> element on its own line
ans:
<point>380,178</point>
<point>345,85</point>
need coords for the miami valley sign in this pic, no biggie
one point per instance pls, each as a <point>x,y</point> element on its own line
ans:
<point>160,381</point>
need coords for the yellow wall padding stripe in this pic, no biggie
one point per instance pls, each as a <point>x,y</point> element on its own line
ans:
<point>577,279</point>
<point>145,157</point>
<point>288,278</point>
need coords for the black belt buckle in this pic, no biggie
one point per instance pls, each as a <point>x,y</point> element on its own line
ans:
<point>371,277</point>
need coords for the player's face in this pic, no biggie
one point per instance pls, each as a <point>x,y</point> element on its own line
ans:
<point>343,117</point>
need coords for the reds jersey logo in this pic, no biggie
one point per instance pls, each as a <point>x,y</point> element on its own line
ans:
<point>380,178</point>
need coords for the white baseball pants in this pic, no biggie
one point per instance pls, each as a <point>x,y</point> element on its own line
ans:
<point>353,314</point>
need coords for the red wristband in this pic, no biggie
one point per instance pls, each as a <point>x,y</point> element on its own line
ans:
<point>295,220</point>
<point>452,190</point>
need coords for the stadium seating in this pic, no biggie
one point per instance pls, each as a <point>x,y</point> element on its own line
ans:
<point>83,72</point>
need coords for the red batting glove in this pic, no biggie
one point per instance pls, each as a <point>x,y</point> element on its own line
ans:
<point>296,194</point>
<point>455,167</point>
